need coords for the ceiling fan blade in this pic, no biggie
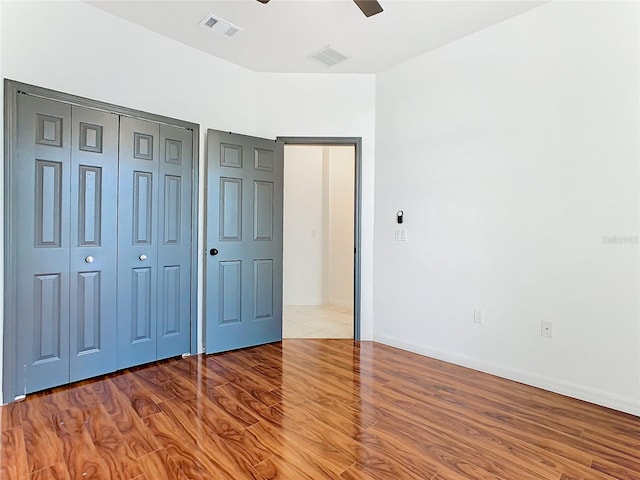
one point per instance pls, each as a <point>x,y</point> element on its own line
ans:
<point>368,7</point>
<point>263,1</point>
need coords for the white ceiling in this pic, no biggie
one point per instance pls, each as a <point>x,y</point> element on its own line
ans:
<point>281,35</point>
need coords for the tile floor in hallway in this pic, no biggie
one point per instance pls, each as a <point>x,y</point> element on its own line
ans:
<point>317,321</point>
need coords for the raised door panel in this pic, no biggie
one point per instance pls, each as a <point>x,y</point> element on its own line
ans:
<point>48,318</point>
<point>230,292</point>
<point>48,204</point>
<point>175,217</point>
<point>90,203</point>
<point>40,181</point>
<point>140,328</point>
<point>263,198</point>
<point>93,296</point>
<point>230,206</point>
<point>244,224</point>
<point>90,318</point>
<point>138,241</point>
<point>263,290</point>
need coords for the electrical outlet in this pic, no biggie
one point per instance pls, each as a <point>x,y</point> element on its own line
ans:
<point>478,315</point>
<point>546,329</point>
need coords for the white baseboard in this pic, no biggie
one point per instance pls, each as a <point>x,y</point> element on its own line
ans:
<point>599,397</point>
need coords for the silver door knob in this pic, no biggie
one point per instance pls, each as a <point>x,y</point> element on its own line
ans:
<point>142,257</point>
<point>89,259</point>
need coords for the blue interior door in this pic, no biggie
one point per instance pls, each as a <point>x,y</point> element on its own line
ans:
<point>244,241</point>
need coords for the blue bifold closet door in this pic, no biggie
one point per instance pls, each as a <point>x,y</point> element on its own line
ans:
<point>64,232</point>
<point>154,242</point>
<point>101,226</point>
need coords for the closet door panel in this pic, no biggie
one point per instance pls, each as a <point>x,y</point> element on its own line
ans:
<point>94,186</point>
<point>40,236</point>
<point>174,241</point>
<point>138,241</point>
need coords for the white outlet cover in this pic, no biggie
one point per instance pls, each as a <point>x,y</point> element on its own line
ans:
<point>478,315</point>
<point>546,329</point>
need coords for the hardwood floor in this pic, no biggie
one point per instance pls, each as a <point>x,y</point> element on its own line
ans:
<point>312,409</point>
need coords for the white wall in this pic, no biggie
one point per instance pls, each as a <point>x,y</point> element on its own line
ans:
<point>303,225</point>
<point>513,152</point>
<point>338,289</point>
<point>329,105</point>
<point>73,47</point>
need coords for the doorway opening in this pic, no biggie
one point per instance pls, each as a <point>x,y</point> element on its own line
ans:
<point>321,238</point>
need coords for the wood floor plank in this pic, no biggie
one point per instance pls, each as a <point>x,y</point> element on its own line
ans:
<point>614,469</point>
<point>10,416</point>
<point>13,458</point>
<point>80,454</point>
<point>228,442</point>
<point>111,446</point>
<point>133,430</point>
<point>336,447</point>
<point>82,394</point>
<point>158,465</point>
<point>584,473</point>
<point>396,457</point>
<point>470,472</point>
<point>55,472</point>
<point>233,409</point>
<point>502,443</point>
<point>143,401</point>
<point>348,419</point>
<point>463,445</point>
<point>299,454</point>
<point>196,370</point>
<point>356,472</point>
<point>154,379</point>
<point>259,387</point>
<point>313,409</point>
<point>42,444</point>
<point>275,468</point>
<point>508,425</point>
<point>193,460</point>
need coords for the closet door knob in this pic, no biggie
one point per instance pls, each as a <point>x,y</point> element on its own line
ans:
<point>142,257</point>
<point>89,259</point>
<point>213,252</point>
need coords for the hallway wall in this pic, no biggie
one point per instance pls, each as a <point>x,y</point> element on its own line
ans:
<point>318,225</point>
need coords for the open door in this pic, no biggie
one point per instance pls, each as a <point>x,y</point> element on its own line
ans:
<point>244,241</point>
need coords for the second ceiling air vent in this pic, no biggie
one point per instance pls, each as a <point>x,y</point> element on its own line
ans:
<point>329,56</point>
<point>220,26</point>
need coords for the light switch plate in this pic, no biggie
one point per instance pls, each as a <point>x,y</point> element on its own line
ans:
<point>401,234</point>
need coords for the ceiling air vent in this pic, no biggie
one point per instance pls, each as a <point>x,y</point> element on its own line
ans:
<point>329,56</point>
<point>220,26</point>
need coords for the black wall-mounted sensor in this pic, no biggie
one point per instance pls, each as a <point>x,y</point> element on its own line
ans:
<point>400,216</point>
